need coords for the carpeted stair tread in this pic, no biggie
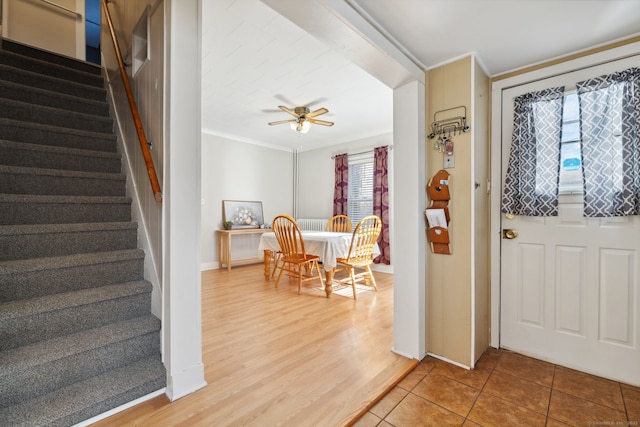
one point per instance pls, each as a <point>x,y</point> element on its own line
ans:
<point>32,278</point>
<point>37,133</point>
<point>52,83</point>
<point>60,347</point>
<point>55,58</point>
<point>24,180</point>
<point>26,229</point>
<point>48,98</point>
<point>24,308</point>
<point>49,69</point>
<point>48,199</point>
<point>25,241</point>
<point>39,264</point>
<point>24,111</point>
<point>88,398</point>
<point>40,368</point>
<point>38,319</point>
<point>15,153</point>
<point>47,209</point>
<point>20,170</point>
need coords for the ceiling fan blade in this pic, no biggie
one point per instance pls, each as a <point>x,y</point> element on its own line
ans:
<point>288,110</point>
<point>317,112</point>
<point>321,122</point>
<point>279,122</point>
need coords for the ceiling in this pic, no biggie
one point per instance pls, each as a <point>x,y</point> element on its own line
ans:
<point>254,59</point>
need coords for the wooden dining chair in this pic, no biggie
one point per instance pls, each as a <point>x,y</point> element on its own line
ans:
<point>294,260</point>
<point>360,254</point>
<point>339,223</point>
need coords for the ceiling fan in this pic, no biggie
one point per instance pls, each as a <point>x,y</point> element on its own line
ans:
<point>303,118</point>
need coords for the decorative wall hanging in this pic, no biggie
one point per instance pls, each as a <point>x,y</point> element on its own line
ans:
<point>438,213</point>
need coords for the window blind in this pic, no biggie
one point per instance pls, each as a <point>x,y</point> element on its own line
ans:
<point>360,198</point>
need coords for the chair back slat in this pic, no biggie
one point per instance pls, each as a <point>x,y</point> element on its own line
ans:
<point>340,223</point>
<point>288,235</point>
<point>364,240</point>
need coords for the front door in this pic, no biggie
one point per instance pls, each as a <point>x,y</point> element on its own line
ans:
<point>570,290</point>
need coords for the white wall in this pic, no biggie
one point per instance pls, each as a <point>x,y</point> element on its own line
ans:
<point>234,170</point>
<point>181,322</point>
<point>149,95</point>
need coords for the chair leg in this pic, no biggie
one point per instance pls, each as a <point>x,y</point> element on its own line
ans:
<point>275,265</point>
<point>299,278</point>
<point>317,266</point>
<point>373,280</point>
<point>279,275</point>
<point>352,275</point>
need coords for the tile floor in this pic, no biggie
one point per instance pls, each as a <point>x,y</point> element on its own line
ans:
<point>505,389</point>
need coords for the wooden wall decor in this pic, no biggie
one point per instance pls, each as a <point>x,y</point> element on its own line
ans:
<point>438,221</point>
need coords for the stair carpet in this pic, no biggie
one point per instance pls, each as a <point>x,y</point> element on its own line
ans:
<point>77,337</point>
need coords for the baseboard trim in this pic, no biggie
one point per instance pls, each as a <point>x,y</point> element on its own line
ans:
<point>121,408</point>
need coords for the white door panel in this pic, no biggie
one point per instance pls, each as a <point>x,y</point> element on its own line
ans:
<point>570,286</point>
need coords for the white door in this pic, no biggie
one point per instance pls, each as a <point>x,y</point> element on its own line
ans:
<point>54,25</point>
<point>570,291</point>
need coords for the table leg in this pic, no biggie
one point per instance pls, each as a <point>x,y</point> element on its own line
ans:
<point>267,265</point>
<point>221,247</point>
<point>228,252</point>
<point>328,281</point>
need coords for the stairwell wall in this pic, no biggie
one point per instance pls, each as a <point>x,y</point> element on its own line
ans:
<point>147,85</point>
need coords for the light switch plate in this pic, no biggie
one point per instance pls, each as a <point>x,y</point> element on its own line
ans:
<point>448,161</point>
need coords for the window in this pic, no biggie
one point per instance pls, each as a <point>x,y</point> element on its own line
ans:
<point>571,176</point>
<point>570,157</point>
<point>360,197</point>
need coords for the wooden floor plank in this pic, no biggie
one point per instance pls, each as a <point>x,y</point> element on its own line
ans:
<point>273,357</point>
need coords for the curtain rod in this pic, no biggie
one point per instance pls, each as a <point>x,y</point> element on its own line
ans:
<point>390,147</point>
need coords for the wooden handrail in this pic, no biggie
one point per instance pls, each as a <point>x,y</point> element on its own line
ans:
<point>144,145</point>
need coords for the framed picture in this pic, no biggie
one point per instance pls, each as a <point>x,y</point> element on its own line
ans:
<point>243,214</point>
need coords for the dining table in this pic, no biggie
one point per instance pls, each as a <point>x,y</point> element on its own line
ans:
<point>328,245</point>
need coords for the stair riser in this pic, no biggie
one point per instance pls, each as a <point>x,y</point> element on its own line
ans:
<point>58,244</point>
<point>60,185</point>
<point>44,378</point>
<point>24,132</point>
<point>13,156</point>
<point>62,213</point>
<point>150,386</point>
<point>22,331</point>
<point>51,70</point>
<point>51,99</point>
<point>42,55</point>
<point>48,83</point>
<point>18,286</point>
<point>54,117</point>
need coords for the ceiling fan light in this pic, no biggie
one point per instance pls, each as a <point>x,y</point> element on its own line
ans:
<point>301,125</point>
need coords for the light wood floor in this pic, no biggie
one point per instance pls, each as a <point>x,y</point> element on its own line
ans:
<point>273,357</point>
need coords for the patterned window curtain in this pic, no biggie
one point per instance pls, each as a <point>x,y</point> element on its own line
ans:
<point>610,124</point>
<point>531,184</point>
<point>381,202</point>
<point>341,190</point>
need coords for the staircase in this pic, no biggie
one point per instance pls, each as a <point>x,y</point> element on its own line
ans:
<point>77,337</point>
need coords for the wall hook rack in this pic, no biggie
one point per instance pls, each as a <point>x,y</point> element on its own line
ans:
<point>449,125</point>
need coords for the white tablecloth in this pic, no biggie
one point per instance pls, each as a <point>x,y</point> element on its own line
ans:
<point>327,245</point>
